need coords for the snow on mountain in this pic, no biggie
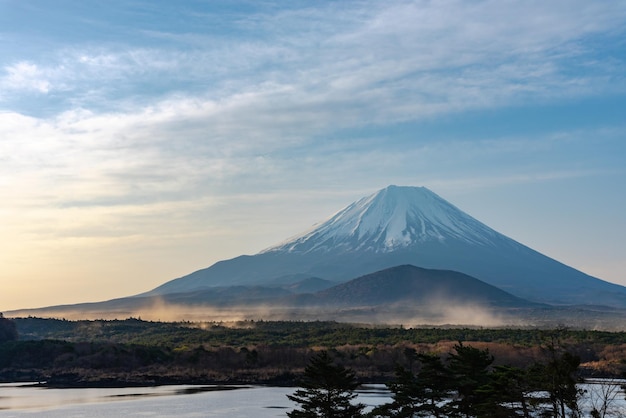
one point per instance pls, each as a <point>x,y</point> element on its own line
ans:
<point>391,219</point>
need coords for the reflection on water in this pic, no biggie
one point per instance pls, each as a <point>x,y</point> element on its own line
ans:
<point>198,389</point>
<point>29,399</point>
<point>186,401</point>
<point>181,401</point>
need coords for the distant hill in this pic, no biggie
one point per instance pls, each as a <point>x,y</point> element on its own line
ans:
<point>414,286</point>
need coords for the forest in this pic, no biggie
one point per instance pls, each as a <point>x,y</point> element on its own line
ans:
<point>137,352</point>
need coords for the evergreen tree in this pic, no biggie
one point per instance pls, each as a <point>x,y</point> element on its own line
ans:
<point>434,379</point>
<point>468,367</point>
<point>558,378</point>
<point>507,394</point>
<point>424,395</point>
<point>326,391</point>
<point>407,396</point>
<point>411,356</point>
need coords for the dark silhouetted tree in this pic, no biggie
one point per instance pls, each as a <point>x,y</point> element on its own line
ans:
<point>326,391</point>
<point>411,356</point>
<point>507,394</point>
<point>558,378</point>
<point>434,379</point>
<point>604,397</point>
<point>423,395</point>
<point>407,396</point>
<point>8,330</point>
<point>469,370</point>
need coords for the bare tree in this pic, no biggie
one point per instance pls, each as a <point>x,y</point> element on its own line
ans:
<point>603,396</point>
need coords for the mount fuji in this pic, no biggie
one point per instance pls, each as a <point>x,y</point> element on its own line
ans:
<point>406,226</point>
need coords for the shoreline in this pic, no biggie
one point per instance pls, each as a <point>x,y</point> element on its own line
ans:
<point>89,381</point>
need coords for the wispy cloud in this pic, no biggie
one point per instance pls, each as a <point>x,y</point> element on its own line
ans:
<point>25,76</point>
<point>393,61</point>
<point>180,149</point>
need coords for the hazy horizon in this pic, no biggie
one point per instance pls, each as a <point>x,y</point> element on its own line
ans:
<point>143,140</point>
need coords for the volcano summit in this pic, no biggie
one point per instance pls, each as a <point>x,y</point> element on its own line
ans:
<point>392,219</point>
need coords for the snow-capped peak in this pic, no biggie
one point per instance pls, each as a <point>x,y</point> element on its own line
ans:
<point>392,218</point>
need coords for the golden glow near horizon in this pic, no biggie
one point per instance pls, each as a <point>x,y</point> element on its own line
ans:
<point>134,151</point>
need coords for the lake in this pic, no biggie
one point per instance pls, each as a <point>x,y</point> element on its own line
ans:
<point>182,401</point>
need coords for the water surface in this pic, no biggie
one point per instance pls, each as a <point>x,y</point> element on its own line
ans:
<point>181,401</point>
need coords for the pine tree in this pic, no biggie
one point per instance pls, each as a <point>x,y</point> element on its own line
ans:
<point>423,395</point>
<point>407,396</point>
<point>434,379</point>
<point>507,394</point>
<point>469,367</point>
<point>326,391</point>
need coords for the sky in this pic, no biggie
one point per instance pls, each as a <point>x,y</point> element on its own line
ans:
<point>141,140</point>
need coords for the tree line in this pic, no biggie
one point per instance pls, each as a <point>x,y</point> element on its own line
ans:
<point>143,352</point>
<point>290,333</point>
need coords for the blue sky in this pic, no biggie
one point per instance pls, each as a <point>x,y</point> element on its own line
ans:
<point>142,140</point>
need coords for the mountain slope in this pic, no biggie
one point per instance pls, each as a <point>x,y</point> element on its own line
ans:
<point>408,225</point>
